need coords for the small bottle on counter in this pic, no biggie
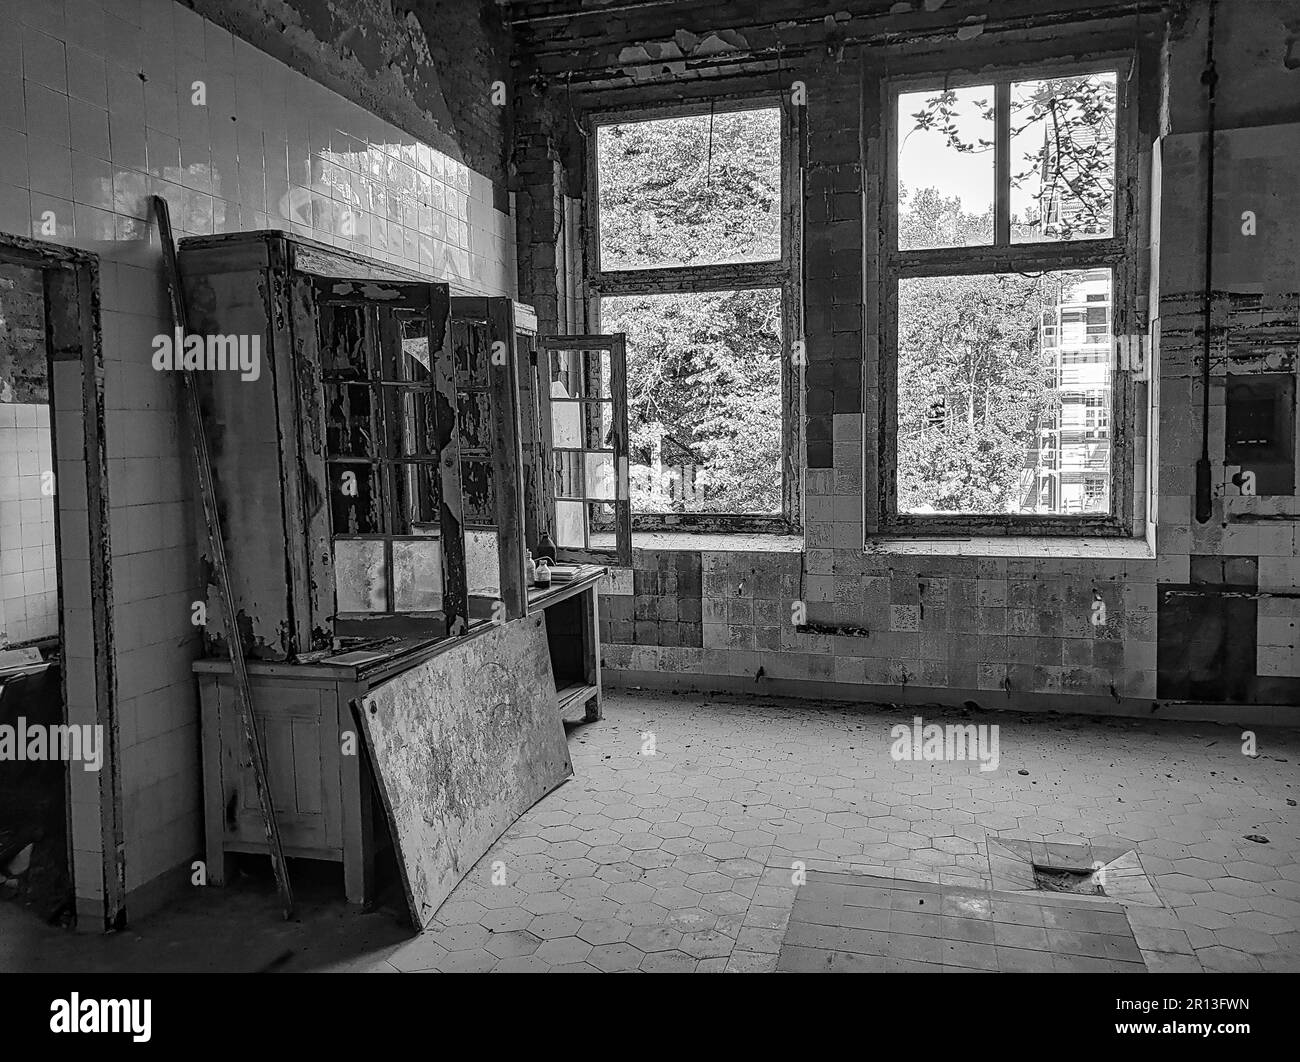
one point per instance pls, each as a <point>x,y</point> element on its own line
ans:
<point>543,577</point>
<point>530,568</point>
<point>546,547</point>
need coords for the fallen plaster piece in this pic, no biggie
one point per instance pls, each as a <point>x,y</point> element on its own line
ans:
<point>971,29</point>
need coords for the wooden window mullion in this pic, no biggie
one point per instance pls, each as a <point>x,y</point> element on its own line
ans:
<point>1002,164</point>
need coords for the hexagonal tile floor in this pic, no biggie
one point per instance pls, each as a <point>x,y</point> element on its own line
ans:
<point>681,841</point>
<point>690,824</point>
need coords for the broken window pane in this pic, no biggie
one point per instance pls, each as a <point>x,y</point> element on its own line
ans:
<point>700,189</point>
<point>419,426</point>
<point>472,352</point>
<point>360,581</point>
<point>580,374</point>
<point>418,495</point>
<point>568,475</point>
<point>350,426</point>
<point>945,168</point>
<point>415,363</point>
<point>1063,158</point>
<point>354,499</point>
<point>346,341</point>
<point>478,491</point>
<point>704,399</point>
<point>1004,393</point>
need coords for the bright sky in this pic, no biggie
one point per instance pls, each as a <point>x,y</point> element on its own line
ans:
<point>926,160</point>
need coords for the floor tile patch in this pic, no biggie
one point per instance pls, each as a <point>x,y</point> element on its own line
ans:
<point>846,922</point>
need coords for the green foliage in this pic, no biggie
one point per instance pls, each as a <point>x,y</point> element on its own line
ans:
<point>1063,130</point>
<point>972,342</point>
<point>704,383</point>
<point>704,368</point>
<point>689,191</point>
<point>972,390</point>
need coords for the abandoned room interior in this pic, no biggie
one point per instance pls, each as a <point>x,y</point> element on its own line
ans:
<point>661,486</point>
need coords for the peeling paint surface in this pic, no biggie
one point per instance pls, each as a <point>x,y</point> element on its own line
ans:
<point>426,67</point>
<point>462,745</point>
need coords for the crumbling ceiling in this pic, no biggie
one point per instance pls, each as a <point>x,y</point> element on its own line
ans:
<point>595,44</point>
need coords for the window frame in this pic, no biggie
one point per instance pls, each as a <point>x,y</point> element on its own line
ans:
<point>1119,253</point>
<point>781,274</point>
<point>410,300</point>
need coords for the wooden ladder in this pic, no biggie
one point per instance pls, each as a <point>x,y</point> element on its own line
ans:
<point>217,558</point>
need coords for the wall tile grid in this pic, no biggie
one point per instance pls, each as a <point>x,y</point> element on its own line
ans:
<point>28,580</point>
<point>29,586</point>
<point>1255,328</point>
<point>1004,625</point>
<point>101,106</point>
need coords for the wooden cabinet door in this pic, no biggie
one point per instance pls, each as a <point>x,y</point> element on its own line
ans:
<point>377,407</point>
<point>486,355</point>
<point>299,731</point>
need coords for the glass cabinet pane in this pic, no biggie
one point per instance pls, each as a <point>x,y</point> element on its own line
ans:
<point>570,524</point>
<point>482,563</point>
<point>417,576</point>
<point>566,424</point>
<point>601,481</point>
<point>360,581</point>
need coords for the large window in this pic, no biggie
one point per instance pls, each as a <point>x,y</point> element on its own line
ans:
<point>691,260</point>
<point>1005,264</point>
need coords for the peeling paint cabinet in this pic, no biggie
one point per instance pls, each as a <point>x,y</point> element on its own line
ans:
<point>320,782</point>
<point>372,434</point>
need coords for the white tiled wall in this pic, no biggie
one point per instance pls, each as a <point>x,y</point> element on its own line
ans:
<point>98,109</point>
<point>97,112</point>
<point>28,574</point>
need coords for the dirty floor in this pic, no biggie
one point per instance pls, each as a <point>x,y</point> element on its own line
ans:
<point>682,841</point>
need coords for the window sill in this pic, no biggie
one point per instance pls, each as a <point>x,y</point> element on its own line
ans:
<point>1029,546</point>
<point>713,542</point>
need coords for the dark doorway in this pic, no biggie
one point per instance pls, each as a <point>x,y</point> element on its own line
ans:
<point>34,868</point>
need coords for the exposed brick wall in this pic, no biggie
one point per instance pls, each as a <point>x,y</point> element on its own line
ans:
<point>990,628</point>
<point>833,260</point>
<point>664,606</point>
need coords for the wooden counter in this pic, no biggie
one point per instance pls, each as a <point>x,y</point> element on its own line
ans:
<point>572,610</point>
<point>319,777</point>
